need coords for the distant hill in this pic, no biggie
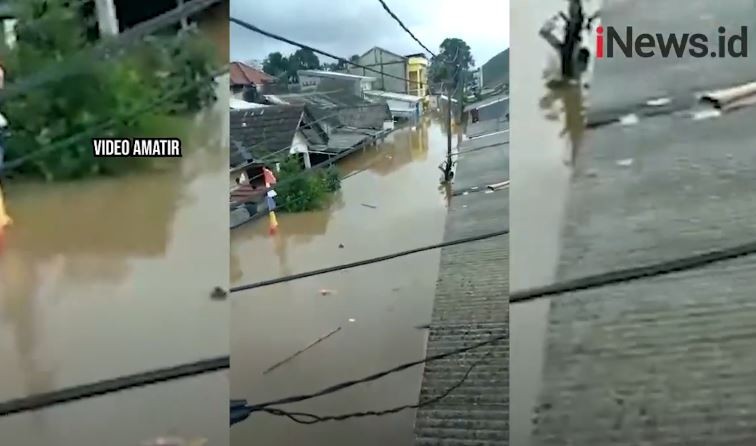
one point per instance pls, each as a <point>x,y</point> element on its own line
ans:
<point>496,70</point>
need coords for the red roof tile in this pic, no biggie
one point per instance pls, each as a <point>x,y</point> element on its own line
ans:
<point>242,74</point>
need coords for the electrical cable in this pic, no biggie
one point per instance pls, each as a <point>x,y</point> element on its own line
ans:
<point>258,30</point>
<point>399,21</point>
<point>105,48</point>
<point>309,418</point>
<point>76,393</point>
<point>370,261</point>
<point>249,409</point>
<point>616,277</point>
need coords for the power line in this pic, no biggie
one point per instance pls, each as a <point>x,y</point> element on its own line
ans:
<point>249,409</point>
<point>309,418</point>
<point>76,393</point>
<point>258,30</point>
<point>370,261</point>
<point>78,62</point>
<point>636,273</point>
<point>399,21</point>
<point>106,124</point>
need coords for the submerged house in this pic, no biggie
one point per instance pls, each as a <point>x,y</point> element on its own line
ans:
<point>401,106</point>
<point>349,121</point>
<point>262,137</point>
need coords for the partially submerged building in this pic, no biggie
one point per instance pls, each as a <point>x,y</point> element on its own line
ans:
<point>315,80</point>
<point>349,121</point>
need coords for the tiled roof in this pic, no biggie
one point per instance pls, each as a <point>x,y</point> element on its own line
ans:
<point>261,132</point>
<point>242,74</point>
<point>341,108</point>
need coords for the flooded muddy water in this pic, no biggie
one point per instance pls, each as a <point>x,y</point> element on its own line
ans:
<point>548,131</point>
<point>390,201</point>
<point>107,277</point>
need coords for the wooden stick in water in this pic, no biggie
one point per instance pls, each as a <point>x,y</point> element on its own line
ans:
<point>313,344</point>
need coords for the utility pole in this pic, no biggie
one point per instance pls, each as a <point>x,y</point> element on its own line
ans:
<point>106,17</point>
<point>448,165</point>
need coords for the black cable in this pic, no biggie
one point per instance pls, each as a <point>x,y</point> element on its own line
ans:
<point>83,59</point>
<point>636,273</point>
<point>254,28</point>
<point>76,393</point>
<point>309,418</point>
<point>344,385</point>
<point>370,261</point>
<point>106,124</point>
<point>399,21</point>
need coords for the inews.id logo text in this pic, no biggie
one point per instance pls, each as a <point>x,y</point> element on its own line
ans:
<point>610,39</point>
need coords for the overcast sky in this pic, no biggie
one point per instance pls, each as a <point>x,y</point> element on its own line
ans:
<point>346,27</point>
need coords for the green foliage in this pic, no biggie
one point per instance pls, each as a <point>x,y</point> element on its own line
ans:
<point>299,192</point>
<point>101,91</point>
<point>453,52</point>
<point>330,178</point>
<point>277,64</point>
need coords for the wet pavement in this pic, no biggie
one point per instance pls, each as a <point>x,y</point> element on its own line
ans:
<point>107,277</point>
<point>660,361</point>
<point>377,306</point>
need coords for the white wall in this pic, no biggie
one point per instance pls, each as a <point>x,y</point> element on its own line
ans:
<point>299,145</point>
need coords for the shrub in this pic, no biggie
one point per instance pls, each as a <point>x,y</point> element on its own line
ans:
<point>102,91</point>
<point>300,191</point>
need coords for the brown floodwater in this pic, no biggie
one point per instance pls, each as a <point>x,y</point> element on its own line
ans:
<point>391,201</point>
<point>107,277</point>
<point>547,134</point>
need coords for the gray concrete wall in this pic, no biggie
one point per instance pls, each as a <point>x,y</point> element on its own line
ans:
<point>387,63</point>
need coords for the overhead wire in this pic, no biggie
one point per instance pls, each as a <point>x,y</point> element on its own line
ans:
<point>370,261</point>
<point>258,407</point>
<point>404,27</point>
<point>259,30</point>
<point>310,418</point>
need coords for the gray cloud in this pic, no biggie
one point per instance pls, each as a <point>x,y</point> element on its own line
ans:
<point>346,27</point>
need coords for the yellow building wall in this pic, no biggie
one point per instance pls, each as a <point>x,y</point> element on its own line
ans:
<point>417,73</point>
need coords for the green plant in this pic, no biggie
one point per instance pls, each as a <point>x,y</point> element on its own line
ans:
<point>331,178</point>
<point>109,90</point>
<point>300,191</point>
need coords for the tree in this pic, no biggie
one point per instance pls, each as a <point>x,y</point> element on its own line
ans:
<point>453,52</point>
<point>275,64</point>
<point>355,58</point>
<point>302,60</point>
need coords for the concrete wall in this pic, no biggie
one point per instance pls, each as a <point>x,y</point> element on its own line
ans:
<point>494,111</point>
<point>386,63</point>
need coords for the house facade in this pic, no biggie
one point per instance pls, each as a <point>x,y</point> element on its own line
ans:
<point>314,80</point>
<point>247,83</point>
<point>417,75</point>
<point>390,65</point>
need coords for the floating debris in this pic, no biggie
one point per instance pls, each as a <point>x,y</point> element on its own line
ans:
<point>341,246</point>
<point>325,292</point>
<point>218,293</point>
<point>625,162</point>
<point>351,319</point>
<point>700,115</point>
<point>175,441</point>
<point>369,206</point>
<point>733,97</point>
<point>295,354</point>
<point>630,119</point>
<point>658,102</point>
